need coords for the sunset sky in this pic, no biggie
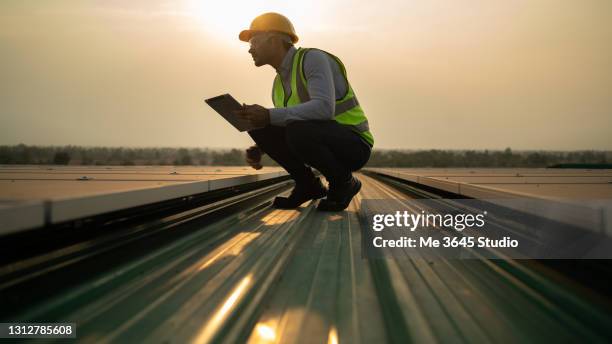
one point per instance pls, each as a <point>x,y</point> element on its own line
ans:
<point>470,74</point>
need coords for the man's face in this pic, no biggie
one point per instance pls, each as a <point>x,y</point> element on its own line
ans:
<point>260,49</point>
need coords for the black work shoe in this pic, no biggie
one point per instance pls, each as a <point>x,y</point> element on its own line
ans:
<point>340,196</point>
<point>301,193</point>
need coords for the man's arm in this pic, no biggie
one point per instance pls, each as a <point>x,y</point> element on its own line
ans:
<point>322,103</point>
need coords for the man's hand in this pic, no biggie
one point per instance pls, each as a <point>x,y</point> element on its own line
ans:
<point>257,115</point>
<point>253,157</point>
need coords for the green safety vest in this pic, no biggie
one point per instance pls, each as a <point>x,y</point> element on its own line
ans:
<point>348,111</point>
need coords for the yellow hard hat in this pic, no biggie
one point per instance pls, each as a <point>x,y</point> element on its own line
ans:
<point>269,22</point>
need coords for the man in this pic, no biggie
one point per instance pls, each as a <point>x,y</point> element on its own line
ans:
<point>316,120</point>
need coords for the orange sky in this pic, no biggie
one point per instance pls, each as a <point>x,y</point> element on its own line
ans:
<point>470,74</point>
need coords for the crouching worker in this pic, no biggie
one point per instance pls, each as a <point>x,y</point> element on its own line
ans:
<point>316,120</point>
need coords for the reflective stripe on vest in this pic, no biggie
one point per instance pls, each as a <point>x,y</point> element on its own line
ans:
<point>347,110</point>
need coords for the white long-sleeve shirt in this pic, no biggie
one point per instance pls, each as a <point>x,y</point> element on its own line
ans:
<point>325,84</point>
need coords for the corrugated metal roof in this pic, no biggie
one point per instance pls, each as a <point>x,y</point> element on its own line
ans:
<point>35,196</point>
<point>29,183</point>
<point>534,182</point>
<point>298,276</point>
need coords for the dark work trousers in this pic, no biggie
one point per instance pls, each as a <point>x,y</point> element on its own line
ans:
<point>333,149</point>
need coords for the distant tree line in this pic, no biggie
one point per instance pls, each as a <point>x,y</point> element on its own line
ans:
<point>76,155</point>
<point>486,158</point>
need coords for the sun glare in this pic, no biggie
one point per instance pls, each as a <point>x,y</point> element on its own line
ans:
<point>225,19</point>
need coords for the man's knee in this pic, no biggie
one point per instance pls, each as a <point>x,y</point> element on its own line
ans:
<point>258,134</point>
<point>268,137</point>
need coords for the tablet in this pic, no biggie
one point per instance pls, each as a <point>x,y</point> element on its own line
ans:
<point>225,105</point>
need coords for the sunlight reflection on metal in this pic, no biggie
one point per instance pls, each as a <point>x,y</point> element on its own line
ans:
<point>207,333</point>
<point>332,338</point>
<point>334,217</point>
<point>231,248</point>
<point>280,216</point>
<point>264,333</point>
